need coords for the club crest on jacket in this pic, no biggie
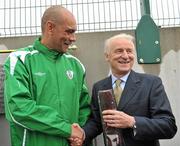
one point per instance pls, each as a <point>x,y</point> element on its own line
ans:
<point>69,74</point>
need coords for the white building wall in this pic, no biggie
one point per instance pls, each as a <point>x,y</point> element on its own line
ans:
<point>90,52</point>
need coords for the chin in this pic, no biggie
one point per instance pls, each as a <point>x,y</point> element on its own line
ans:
<point>65,49</point>
<point>124,66</point>
<point>124,70</point>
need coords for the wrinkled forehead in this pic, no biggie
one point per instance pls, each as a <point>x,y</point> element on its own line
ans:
<point>122,43</point>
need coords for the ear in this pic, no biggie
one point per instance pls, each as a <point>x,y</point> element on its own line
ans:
<point>50,26</point>
<point>106,56</point>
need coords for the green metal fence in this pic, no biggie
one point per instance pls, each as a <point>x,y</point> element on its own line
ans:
<point>22,17</point>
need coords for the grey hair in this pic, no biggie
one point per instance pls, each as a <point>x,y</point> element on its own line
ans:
<point>107,44</point>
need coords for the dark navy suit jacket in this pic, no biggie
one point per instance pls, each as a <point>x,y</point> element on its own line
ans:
<point>144,98</point>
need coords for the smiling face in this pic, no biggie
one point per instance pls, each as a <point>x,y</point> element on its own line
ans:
<point>63,34</point>
<point>121,56</point>
<point>58,28</point>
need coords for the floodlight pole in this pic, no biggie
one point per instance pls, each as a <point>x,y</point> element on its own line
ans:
<point>145,7</point>
<point>147,37</point>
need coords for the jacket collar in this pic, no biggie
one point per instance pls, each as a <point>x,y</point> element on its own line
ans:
<point>132,84</point>
<point>43,49</point>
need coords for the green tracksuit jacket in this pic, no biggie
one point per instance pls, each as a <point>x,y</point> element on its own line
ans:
<point>45,93</point>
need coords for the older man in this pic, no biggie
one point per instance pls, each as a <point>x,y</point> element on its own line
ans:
<point>143,112</point>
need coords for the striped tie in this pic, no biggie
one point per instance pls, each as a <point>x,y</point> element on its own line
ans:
<point>117,90</point>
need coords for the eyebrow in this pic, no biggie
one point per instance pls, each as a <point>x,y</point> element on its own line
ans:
<point>70,28</point>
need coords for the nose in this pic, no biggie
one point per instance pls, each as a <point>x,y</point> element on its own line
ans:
<point>125,54</point>
<point>73,37</point>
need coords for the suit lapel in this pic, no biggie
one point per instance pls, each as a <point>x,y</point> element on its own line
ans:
<point>130,89</point>
<point>107,84</point>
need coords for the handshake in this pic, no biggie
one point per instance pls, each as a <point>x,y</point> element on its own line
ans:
<point>77,135</point>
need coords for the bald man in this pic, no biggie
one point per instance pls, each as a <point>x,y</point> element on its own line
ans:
<point>46,98</point>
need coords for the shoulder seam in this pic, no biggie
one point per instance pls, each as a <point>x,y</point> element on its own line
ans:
<point>71,56</point>
<point>13,58</point>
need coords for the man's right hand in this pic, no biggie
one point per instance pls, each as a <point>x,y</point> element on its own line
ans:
<point>77,135</point>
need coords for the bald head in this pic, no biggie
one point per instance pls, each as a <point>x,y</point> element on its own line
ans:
<point>54,14</point>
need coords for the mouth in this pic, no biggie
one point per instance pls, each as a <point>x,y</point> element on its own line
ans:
<point>124,62</point>
<point>68,43</point>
